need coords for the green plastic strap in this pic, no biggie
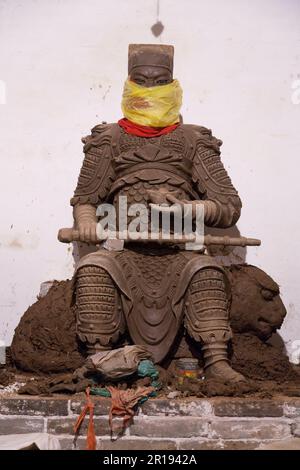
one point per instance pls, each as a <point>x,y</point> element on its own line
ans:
<point>102,392</point>
<point>146,368</point>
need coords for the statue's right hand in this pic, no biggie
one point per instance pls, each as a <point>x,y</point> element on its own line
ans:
<point>87,231</point>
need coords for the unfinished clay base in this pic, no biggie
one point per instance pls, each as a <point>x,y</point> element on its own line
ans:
<point>45,343</point>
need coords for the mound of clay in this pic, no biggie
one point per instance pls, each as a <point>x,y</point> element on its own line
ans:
<point>258,360</point>
<point>5,377</point>
<point>45,339</point>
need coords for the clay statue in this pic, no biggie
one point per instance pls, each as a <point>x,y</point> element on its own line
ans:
<point>148,289</point>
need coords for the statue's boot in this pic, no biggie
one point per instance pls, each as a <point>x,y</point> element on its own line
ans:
<point>216,363</point>
<point>99,317</point>
<point>207,322</point>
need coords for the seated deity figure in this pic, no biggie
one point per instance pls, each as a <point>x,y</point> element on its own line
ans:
<point>150,291</point>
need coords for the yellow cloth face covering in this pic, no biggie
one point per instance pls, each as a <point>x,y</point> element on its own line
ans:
<point>156,106</point>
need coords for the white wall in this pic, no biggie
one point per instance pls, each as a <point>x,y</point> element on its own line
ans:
<point>63,63</point>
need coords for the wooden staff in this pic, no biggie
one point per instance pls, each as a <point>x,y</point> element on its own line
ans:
<point>69,235</point>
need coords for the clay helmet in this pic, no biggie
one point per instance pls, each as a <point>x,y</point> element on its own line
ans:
<point>154,55</point>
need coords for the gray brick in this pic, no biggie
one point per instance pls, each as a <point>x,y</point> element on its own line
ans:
<point>156,407</point>
<point>125,443</point>
<point>102,405</point>
<point>285,444</point>
<point>66,443</point>
<point>169,427</point>
<point>245,407</point>
<point>66,425</point>
<point>291,408</point>
<point>216,444</point>
<point>195,408</point>
<point>33,406</point>
<point>296,428</point>
<point>20,425</point>
<point>159,406</point>
<point>250,429</point>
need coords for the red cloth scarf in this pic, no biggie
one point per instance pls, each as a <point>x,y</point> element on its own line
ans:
<point>145,131</point>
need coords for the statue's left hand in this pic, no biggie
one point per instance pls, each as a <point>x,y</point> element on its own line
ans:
<point>165,197</point>
<point>210,207</point>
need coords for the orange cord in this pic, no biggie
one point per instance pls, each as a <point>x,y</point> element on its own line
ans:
<point>91,436</point>
<point>122,405</point>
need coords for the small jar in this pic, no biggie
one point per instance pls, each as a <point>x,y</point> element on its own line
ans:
<point>188,368</point>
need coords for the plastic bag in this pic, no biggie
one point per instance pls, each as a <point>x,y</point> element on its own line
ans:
<point>120,362</point>
<point>156,106</point>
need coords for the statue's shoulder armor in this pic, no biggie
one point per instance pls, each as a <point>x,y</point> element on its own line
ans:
<point>208,171</point>
<point>100,135</point>
<point>97,173</point>
<point>202,134</point>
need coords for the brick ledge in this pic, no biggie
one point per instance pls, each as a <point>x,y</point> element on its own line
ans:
<point>191,423</point>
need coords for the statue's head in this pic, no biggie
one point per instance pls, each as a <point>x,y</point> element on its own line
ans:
<point>150,64</point>
<point>151,97</point>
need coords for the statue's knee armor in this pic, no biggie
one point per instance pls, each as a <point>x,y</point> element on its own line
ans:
<point>206,307</point>
<point>100,320</point>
